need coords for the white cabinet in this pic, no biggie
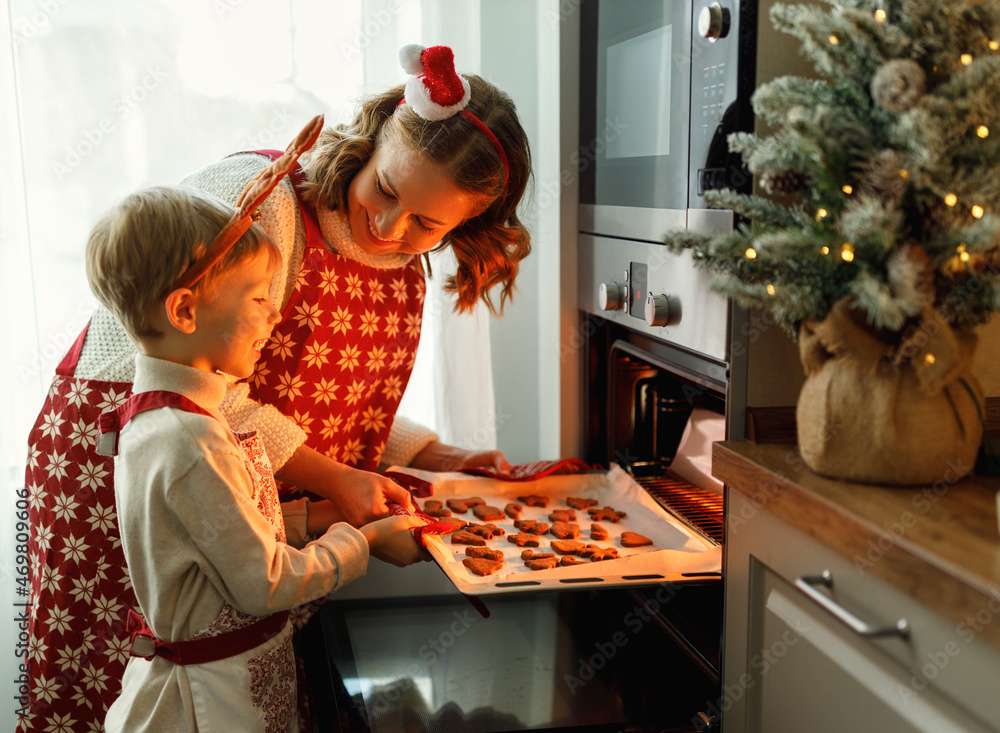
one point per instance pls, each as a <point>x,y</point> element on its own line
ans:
<point>792,666</point>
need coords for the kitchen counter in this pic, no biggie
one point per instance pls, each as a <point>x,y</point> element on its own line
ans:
<point>938,544</point>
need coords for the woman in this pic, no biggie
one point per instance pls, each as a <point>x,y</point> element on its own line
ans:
<point>372,196</point>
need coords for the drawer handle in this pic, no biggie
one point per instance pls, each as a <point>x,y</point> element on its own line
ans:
<point>807,584</point>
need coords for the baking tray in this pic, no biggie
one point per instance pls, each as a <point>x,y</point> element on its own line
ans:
<point>678,554</point>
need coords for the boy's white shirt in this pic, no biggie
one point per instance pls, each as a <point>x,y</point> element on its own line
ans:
<point>192,534</point>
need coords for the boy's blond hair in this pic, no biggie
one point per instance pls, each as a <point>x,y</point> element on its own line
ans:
<point>139,249</point>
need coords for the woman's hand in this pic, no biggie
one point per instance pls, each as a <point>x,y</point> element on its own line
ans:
<point>360,496</point>
<point>440,457</point>
<point>390,540</point>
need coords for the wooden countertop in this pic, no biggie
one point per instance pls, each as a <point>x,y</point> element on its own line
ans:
<point>939,544</point>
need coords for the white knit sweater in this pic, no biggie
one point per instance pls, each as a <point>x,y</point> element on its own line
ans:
<point>109,354</point>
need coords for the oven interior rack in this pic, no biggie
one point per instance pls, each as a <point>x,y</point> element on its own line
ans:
<point>699,508</point>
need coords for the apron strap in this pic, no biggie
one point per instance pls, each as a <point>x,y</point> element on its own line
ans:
<point>67,367</point>
<point>202,651</point>
<point>111,423</point>
<point>314,237</point>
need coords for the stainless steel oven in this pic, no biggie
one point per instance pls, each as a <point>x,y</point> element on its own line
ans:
<point>662,86</point>
<point>401,650</point>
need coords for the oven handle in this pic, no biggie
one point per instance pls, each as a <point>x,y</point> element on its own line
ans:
<point>807,584</point>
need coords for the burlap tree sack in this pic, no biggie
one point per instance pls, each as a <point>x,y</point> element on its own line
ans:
<point>884,411</point>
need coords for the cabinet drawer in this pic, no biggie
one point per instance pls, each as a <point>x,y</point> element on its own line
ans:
<point>813,673</point>
<point>800,657</point>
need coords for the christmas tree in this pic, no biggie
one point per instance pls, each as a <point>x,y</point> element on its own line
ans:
<point>880,179</point>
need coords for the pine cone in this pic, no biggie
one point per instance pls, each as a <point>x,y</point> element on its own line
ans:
<point>899,85</point>
<point>783,182</point>
<point>881,176</point>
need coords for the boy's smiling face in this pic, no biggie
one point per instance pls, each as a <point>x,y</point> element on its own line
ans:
<point>235,319</point>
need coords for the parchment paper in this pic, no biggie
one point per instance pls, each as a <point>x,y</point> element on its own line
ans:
<point>677,553</point>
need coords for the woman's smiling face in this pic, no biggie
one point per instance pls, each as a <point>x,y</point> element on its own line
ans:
<point>400,202</point>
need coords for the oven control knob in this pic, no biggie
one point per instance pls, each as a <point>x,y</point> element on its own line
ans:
<point>713,22</point>
<point>612,296</point>
<point>662,310</point>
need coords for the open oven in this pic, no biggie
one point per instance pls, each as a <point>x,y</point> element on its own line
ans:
<point>401,650</point>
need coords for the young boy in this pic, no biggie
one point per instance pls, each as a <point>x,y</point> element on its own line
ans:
<point>197,506</point>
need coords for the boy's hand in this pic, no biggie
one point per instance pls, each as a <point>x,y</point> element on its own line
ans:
<point>390,540</point>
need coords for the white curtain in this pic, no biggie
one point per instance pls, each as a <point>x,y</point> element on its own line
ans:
<point>101,97</point>
<point>105,96</point>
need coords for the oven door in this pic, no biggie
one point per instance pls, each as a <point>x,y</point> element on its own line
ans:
<point>580,660</point>
<point>635,96</point>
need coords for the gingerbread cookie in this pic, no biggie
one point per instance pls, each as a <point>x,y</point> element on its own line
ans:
<point>634,539</point>
<point>579,503</point>
<point>532,555</point>
<point>463,537</point>
<point>513,510</point>
<point>603,553</point>
<point>597,532</point>
<point>587,550</point>
<point>531,526</point>
<point>524,539</point>
<point>455,522</point>
<point>567,547</point>
<point>435,508</point>
<point>570,560</point>
<point>565,530</point>
<point>484,552</point>
<point>545,563</point>
<point>482,566</point>
<point>462,505</point>
<point>486,531</point>
<point>487,513</point>
<point>562,515</point>
<point>534,500</point>
<point>608,514</point>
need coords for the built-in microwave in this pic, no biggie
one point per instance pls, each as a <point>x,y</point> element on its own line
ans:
<point>663,83</point>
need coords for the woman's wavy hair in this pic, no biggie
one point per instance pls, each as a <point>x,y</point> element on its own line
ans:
<point>490,245</point>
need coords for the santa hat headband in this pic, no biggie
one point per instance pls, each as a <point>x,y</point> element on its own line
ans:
<point>436,92</point>
<point>256,191</point>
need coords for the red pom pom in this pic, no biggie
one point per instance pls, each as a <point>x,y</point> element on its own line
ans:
<point>442,82</point>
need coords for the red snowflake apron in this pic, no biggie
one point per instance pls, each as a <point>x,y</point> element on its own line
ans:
<point>341,357</point>
<point>79,588</point>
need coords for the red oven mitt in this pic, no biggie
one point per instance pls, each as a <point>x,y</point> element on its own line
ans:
<point>536,470</point>
<point>430,526</point>
<point>419,489</point>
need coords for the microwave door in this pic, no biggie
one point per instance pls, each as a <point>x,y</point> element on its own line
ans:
<point>641,112</point>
